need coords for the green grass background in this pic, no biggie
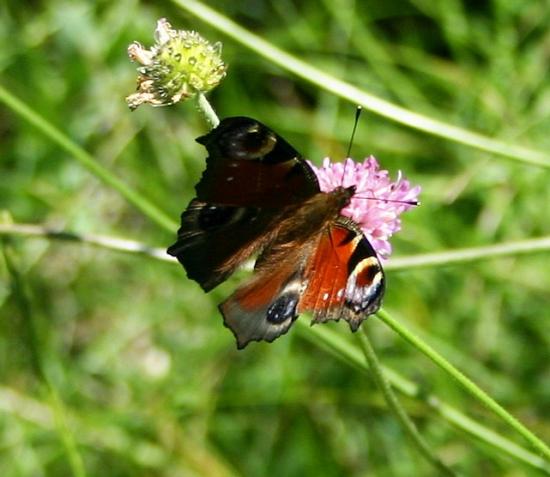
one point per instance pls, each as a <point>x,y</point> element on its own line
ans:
<point>116,364</point>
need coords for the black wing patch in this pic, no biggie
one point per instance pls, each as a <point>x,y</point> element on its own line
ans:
<point>214,239</point>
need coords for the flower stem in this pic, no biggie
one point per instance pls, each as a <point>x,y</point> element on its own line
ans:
<point>333,343</point>
<point>395,406</point>
<point>465,255</point>
<point>207,110</point>
<point>467,383</point>
<point>103,241</point>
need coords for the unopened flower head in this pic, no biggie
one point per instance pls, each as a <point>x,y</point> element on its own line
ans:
<point>179,65</point>
<point>377,202</point>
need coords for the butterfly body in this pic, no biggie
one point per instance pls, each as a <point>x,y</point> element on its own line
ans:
<point>259,196</point>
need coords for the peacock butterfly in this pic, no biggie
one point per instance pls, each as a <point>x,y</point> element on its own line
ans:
<point>258,196</point>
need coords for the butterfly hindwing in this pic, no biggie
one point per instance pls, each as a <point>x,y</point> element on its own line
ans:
<point>265,307</point>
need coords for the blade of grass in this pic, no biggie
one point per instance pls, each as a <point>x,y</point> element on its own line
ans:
<point>337,346</point>
<point>471,254</point>
<point>465,382</point>
<point>103,241</point>
<point>395,406</point>
<point>49,130</point>
<point>357,96</point>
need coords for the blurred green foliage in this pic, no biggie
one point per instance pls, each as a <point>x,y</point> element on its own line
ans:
<point>149,379</point>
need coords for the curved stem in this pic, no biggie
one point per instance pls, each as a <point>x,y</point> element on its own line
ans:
<point>471,254</point>
<point>465,382</point>
<point>395,405</point>
<point>104,241</point>
<point>207,110</point>
<point>453,257</point>
<point>336,345</point>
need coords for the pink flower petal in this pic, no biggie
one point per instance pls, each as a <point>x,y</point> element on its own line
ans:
<point>369,207</point>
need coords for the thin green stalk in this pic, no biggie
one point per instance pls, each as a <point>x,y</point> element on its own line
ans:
<point>333,343</point>
<point>395,406</point>
<point>207,110</point>
<point>20,293</point>
<point>471,254</point>
<point>103,241</point>
<point>467,383</point>
<point>86,160</point>
<point>357,96</point>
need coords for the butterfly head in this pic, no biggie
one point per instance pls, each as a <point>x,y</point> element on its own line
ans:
<point>342,196</point>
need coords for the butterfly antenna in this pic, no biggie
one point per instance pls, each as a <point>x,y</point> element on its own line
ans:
<point>396,201</point>
<point>357,114</point>
<point>355,122</point>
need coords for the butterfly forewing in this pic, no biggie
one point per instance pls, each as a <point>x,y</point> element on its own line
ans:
<point>214,239</point>
<point>251,175</point>
<point>250,165</point>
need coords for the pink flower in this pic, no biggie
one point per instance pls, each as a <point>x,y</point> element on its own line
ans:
<point>377,202</point>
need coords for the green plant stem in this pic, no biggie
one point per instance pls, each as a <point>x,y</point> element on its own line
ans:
<point>21,295</point>
<point>467,383</point>
<point>86,160</point>
<point>103,241</point>
<point>471,254</point>
<point>357,96</point>
<point>207,110</point>
<point>333,343</point>
<point>453,257</point>
<point>395,406</point>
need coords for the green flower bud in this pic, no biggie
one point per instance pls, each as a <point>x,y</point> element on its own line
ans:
<point>180,65</point>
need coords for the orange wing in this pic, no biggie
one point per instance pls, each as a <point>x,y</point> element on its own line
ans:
<point>344,277</point>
